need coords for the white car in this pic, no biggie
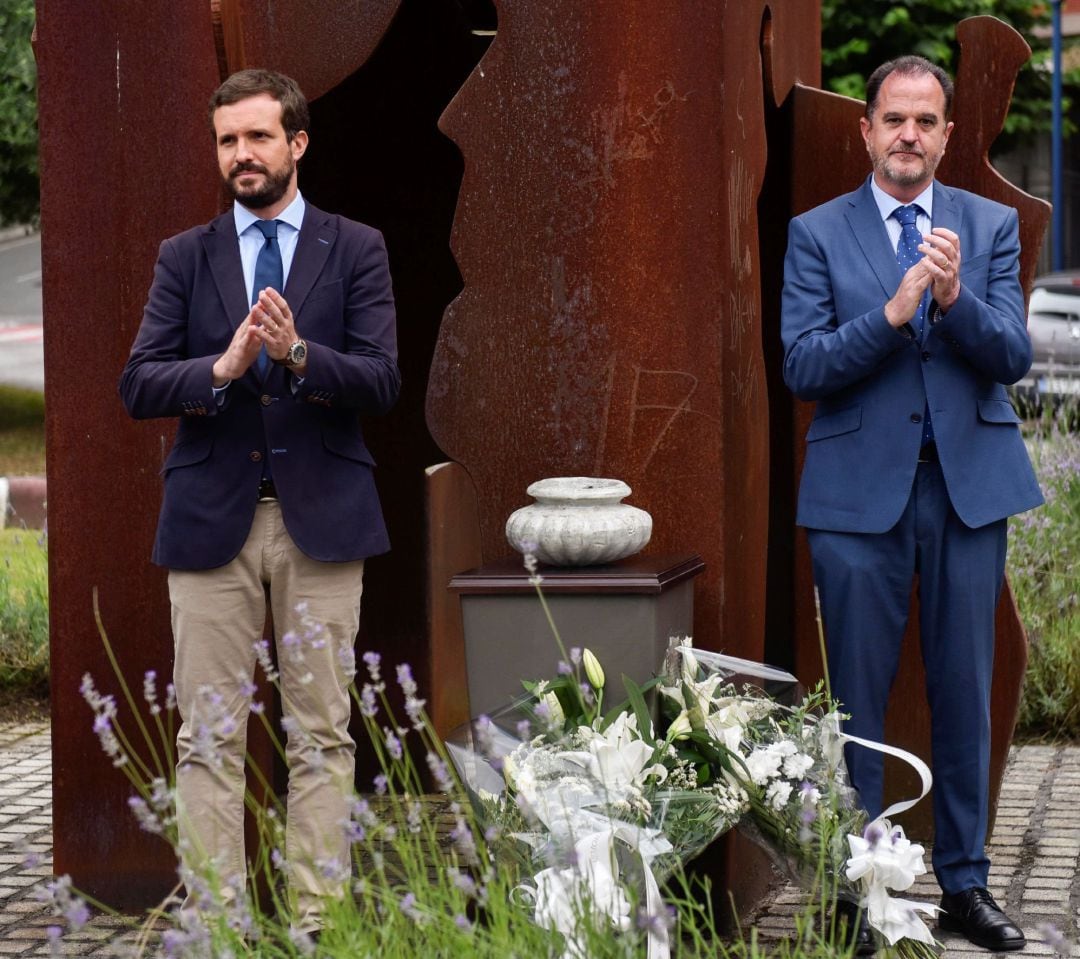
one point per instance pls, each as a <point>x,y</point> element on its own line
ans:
<point>1054,326</point>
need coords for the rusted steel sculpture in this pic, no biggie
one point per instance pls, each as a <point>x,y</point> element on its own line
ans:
<point>619,316</point>
<point>606,230</point>
<point>991,54</point>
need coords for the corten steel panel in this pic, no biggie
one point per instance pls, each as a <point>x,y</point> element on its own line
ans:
<point>123,166</point>
<point>607,235</point>
<point>126,159</point>
<point>321,42</point>
<point>833,160</point>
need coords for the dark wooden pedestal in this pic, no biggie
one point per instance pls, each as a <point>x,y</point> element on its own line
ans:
<point>624,612</point>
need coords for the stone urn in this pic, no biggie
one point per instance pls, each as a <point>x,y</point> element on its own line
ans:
<point>578,521</point>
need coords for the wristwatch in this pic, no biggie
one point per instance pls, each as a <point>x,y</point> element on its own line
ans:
<point>295,356</point>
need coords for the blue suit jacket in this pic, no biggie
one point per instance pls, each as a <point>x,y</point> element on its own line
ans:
<point>872,382</point>
<point>340,295</point>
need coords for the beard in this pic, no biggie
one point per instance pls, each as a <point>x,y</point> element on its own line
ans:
<point>910,176</point>
<point>273,186</point>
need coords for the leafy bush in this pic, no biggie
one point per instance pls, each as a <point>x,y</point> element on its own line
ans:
<point>24,612</point>
<point>1045,576</point>
<point>18,115</point>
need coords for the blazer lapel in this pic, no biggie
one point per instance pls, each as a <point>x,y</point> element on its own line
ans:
<point>864,219</point>
<point>947,211</point>
<point>223,255</point>
<point>313,246</point>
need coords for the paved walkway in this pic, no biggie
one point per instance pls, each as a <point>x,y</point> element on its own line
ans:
<point>1035,850</point>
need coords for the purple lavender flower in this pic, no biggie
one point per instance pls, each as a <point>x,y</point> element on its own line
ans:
<point>150,691</point>
<point>873,833</point>
<point>1055,938</point>
<point>368,705</point>
<point>372,660</point>
<point>393,744</point>
<point>439,773</point>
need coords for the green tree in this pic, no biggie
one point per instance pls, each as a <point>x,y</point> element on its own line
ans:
<point>18,114</point>
<point>857,35</point>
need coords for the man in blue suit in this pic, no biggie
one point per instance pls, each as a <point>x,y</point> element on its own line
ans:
<point>269,331</point>
<point>905,335</point>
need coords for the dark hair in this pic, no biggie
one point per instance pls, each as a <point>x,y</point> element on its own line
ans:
<point>250,83</point>
<point>909,66</point>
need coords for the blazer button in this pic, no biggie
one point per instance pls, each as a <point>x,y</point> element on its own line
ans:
<point>926,355</point>
<point>265,400</point>
<point>255,456</point>
<point>915,418</point>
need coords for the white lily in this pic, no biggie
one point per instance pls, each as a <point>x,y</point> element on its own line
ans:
<point>619,758</point>
<point>883,858</point>
<point>594,672</point>
<point>555,714</point>
<point>680,727</point>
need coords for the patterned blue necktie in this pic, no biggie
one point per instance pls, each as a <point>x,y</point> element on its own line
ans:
<point>268,272</point>
<point>907,255</point>
<point>907,250</point>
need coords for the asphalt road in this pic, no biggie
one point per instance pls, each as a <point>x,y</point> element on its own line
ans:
<point>22,359</point>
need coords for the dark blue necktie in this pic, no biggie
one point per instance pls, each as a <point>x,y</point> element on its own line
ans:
<point>268,272</point>
<point>907,250</point>
<point>907,255</point>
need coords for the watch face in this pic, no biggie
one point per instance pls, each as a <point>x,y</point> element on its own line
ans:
<point>297,353</point>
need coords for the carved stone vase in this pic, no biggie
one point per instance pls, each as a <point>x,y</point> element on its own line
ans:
<point>578,521</point>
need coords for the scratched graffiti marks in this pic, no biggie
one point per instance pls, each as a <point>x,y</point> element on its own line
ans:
<point>615,135</point>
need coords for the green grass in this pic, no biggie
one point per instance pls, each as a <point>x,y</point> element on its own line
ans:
<point>22,432</point>
<point>24,612</point>
<point>24,596</point>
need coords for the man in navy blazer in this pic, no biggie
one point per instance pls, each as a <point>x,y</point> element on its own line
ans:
<point>269,331</point>
<point>914,458</point>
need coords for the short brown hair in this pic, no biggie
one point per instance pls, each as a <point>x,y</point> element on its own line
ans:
<point>908,66</point>
<point>250,83</point>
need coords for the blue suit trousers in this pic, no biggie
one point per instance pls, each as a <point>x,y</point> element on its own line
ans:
<point>864,581</point>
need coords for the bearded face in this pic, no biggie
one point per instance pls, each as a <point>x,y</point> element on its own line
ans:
<point>256,186</point>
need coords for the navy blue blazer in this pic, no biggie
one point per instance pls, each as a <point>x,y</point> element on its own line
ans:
<point>872,382</point>
<point>340,294</point>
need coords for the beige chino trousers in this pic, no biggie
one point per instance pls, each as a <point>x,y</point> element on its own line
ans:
<point>217,619</point>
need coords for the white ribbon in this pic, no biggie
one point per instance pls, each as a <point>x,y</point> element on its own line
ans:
<point>891,861</point>
<point>910,758</point>
<point>594,878</point>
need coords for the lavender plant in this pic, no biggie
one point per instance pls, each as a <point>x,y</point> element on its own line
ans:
<point>1044,570</point>
<point>423,877</point>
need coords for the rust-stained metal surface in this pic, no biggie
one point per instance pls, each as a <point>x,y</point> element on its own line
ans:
<point>606,231</point>
<point>620,313</point>
<point>833,160</point>
<point>321,42</point>
<point>126,160</point>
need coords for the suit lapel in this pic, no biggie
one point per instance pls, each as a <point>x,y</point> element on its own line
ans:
<point>223,255</point>
<point>864,219</point>
<point>947,211</point>
<point>313,246</point>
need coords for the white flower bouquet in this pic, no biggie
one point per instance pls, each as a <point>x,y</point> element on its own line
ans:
<point>598,808</point>
<point>786,753</point>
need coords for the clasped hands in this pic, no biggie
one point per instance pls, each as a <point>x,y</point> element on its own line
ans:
<point>269,324</point>
<point>939,269</point>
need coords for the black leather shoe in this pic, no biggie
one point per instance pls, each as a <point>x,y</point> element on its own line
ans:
<point>850,927</point>
<point>974,914</point>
